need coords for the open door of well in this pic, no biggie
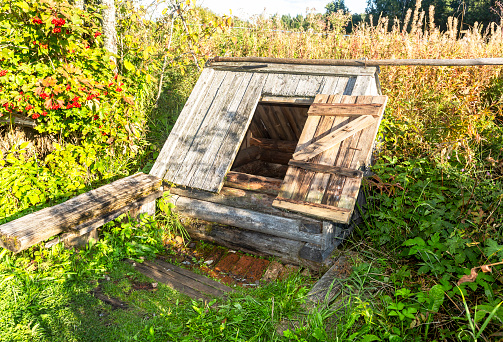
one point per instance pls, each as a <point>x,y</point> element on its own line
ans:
<point>324,176</point>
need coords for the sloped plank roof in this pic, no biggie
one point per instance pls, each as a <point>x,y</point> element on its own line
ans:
<point>206,137</point>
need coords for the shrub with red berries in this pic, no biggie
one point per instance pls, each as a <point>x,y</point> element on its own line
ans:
<point>62,81</point>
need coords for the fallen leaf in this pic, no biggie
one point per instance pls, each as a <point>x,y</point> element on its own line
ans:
<point>486,268</point>
<point>469,278</point>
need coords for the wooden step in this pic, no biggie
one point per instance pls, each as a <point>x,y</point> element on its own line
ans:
<point>189,283</point>
<point>81,213</point>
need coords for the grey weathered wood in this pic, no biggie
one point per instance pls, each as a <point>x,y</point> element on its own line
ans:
<point>191,148</point>
<point>198,160</point>
<point>316,70</point>
<point>329,286</point>
<point>247,241</point>
<point>181,143</point>
<point>244,218</point>
<point>28,230</point>
<point>335,170</point>
<point>18,120</point>
<point>250,200</point>
<point>202,284</point>
<point>301,100</point>
<point>235,134</point>
<point>356,62</point>
<point>197,277</point>
<point>171,282</point>
<point>91,225</point>
<point>199,91</point>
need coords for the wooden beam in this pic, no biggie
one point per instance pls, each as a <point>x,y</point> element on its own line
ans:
<point>28,230</point>
<point>18,120</point>
<point>246,156</point>
<point>247,219</point>
<point>273,144</point>
<point>275,157</point>
<point>250,200</point>
<point>298,100</point>
<point>334,170</point>
<point>320,211</point>
<point>277,68</point>
<point>361,62</point>
<point>245,181</point>
<point>334,138</point>
<point>336,109</point>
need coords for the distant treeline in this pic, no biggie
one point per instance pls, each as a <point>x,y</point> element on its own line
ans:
<point>468,12</point>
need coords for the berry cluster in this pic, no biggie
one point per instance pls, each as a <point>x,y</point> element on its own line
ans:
<point>37,20</point>
<point>57,30</point>
<point>3,72</point>
<point>58,22</point>
<point>97,33</point>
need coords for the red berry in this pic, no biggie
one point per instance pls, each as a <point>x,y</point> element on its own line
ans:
<point>57,30</point>
<point>35,116</point>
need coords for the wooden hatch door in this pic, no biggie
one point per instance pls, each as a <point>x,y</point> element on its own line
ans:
<point>324,176</point>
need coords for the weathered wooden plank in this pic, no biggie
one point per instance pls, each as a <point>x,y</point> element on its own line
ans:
<point>334,138</point>
<point>310,85</point>
<point>290,181</point>
<point>247,219</point>
<point>348,149</point>
<point>245,181</point>
<point>250,200</point>
<point>329,286</point>
<point>171,282</point>
<point>323,168</point>
<point>301,100</point>
<point>289,88</point>
<point>18,120</point>
<point>344,109</point>
<point>318,186</point>
<point>28,230</point>
<point>294,69</point>
<point>247,241</point>
<point>200,284</point>
<point>218,133</point>
<point>361,157</point>
<point>167,267</point>
<point>274,145</point>
<point>181,125</point>
<point>181,143</point>
<point>230,145</point>
<point>317,210</point>
<point>201,138</point>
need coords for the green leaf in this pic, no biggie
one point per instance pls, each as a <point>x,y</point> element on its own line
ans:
<point>128,65</point>
<point>436,297</point>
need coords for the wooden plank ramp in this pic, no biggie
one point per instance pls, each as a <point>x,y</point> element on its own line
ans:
<point>189,283</point>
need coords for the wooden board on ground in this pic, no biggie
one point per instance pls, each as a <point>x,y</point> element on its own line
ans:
<point>90,207</point>
<point>323,179</point>
<point>189,283</point>
<point>329,286</point>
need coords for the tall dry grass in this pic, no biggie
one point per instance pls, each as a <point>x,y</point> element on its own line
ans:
<point>432,111</point>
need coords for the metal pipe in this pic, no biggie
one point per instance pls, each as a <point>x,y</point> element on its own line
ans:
<point>363,62</point>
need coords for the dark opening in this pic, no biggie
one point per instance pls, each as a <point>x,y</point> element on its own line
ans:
<point>271,139</point>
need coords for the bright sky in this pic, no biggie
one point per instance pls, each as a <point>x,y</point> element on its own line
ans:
<point>245,9</point>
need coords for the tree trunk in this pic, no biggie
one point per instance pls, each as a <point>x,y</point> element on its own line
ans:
<point>109,26</point>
